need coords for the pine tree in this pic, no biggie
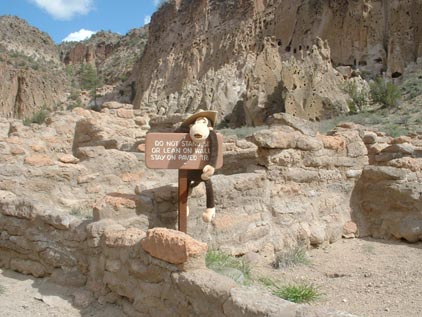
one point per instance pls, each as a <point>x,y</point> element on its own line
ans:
<point>90,80</point>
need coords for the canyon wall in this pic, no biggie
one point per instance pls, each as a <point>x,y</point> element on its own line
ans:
<point>234,56</point>
<point>30,71</point>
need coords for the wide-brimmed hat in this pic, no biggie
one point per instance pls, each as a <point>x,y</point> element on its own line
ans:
<point>211,115</point>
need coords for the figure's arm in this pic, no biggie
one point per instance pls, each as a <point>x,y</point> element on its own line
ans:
<point>213,148</point>
<point>209,169</point>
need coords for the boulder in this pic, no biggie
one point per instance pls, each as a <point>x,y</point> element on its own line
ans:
<point>172,246</point>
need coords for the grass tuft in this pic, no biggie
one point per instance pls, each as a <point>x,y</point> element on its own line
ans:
<point>298,293</point>
<point>368,249</point>
<point>293,257</point>
<point>228,265</point>
<point>81,213</point>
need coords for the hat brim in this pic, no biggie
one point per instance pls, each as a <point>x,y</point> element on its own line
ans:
<point>211,115</point>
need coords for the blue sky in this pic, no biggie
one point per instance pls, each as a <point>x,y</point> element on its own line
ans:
<point>76,19</point>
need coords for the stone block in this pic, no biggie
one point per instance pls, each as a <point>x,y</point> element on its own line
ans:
<point>116,206</point>
<point>39,160</point>
<point>172,246</point>
<point>68,276</point>
<point>350,229</point>
<point>403,148</point>
<point>254,302</point>
<point>123,238</point>
<point>147,273</point>
<point>28,267</point>
<point>207,290</point>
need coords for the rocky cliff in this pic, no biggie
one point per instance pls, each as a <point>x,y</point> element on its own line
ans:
<point>30,70</point>
<point>113,55</point>
<point>36,73</point>
<point>237,56</point>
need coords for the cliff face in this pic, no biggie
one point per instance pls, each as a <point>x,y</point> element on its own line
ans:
<point>112,54</point>
<point>31,74</point>
<point>25,91</point>
<point>36,73</point>
<point>232,55</point>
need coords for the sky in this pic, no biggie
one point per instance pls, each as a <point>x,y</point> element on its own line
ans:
<point>75,20</point>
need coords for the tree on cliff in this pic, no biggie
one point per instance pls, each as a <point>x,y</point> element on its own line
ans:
<point>90,80</point>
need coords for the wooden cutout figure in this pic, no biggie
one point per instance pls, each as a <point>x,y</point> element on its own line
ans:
<point>200,128</point>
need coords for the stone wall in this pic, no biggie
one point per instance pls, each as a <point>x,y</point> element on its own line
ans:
<point>388,197</point>
<point>158,273</point>
<point>76,200</point>
<point>284,186</point>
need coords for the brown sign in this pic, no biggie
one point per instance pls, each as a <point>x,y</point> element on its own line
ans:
<point>178,151</point>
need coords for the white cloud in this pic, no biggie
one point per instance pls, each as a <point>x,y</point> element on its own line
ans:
<point>80,35</point>
<point>147,19</point>
<point>65,9</point>
<point>157,2</point>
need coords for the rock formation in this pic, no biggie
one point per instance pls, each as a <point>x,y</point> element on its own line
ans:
<point>113,55</point>
<point>235,56</point>
<point>19,37</point>
<point>36,73</point>
<point>31,74</point>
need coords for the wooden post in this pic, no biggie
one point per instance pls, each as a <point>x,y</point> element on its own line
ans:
<point>183,201</point>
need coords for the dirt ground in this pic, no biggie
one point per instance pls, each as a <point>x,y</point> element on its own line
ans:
<point>369,278</point>
<point>26,296</point>
<point>366,277</point>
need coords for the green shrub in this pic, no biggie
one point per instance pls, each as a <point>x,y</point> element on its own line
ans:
<point>395,130</point>
<point>359,97</point>
<point>77,103</point>
<point>74,94</point>
<point>412,87</point>
<point>291,258</point>
<point>38,117</point>
<point>385,93</point>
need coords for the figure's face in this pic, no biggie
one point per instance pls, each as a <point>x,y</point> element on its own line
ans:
<point>199,131</point>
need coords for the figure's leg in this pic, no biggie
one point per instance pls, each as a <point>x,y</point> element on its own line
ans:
<point>210,212</point>
<point>192,182</point>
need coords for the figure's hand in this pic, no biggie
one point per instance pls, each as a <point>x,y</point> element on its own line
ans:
<point>208,215</point>
<point>207,172</point>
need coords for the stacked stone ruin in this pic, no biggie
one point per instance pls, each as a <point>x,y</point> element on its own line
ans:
<point>77,204</point>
